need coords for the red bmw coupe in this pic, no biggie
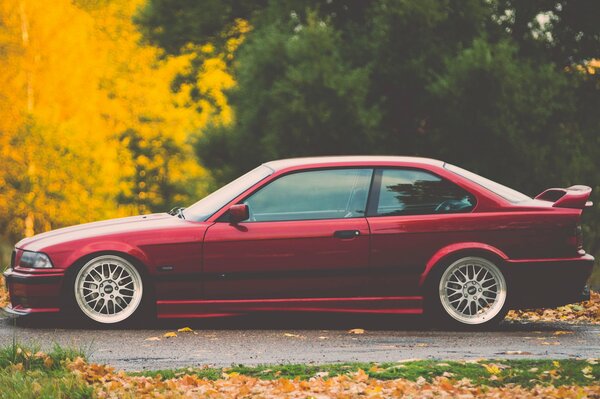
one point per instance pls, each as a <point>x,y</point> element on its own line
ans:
<point>368,234</point>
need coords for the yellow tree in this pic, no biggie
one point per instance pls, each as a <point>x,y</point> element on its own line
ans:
<point>91,124</point>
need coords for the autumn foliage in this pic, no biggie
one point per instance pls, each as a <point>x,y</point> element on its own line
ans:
<point>91,123</point>
<point>110,384</point>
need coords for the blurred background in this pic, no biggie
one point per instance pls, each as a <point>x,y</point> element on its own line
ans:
<point>119,107</point>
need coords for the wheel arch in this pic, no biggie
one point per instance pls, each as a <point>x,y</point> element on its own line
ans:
<point>453,252</point>
<point>129,252</point>
<point>79,258</point>
<point>66,300</point>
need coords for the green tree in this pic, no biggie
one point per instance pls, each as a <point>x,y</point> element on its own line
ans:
<point>502,87</point>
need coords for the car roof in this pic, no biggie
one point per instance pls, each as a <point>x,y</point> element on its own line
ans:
<point>350,160</point>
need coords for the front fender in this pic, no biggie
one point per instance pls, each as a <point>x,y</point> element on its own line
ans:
<point>75,254</point>
<point>455,250</point>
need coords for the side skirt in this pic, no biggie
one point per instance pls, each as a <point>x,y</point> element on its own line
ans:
<point>233,307</point>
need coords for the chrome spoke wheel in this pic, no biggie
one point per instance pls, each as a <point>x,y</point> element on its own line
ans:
<point>108,289</point>
<point>472,290</point>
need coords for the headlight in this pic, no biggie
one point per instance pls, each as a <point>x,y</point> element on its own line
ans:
<point>35,260</point>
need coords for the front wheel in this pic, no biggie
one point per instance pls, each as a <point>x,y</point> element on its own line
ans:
<point>108,289</point>
<point>472,292</point>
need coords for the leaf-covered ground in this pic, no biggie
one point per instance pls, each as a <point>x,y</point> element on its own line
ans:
<point>64,373</point>
<point>584,312</point>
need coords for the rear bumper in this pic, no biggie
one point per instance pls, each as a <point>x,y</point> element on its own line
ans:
<point>537,283</point>
<point>33,293</point>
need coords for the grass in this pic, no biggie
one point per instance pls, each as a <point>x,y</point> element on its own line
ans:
<point>28,373</point>
<point>25,373</point>
<point>526,373</point>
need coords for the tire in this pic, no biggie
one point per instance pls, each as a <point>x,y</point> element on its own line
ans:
<point>470,292</point>
<point>108,290</point>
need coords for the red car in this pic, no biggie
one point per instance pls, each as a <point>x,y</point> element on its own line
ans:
<point>369,234</point>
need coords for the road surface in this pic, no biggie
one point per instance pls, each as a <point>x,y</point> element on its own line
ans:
<point>316,339</point>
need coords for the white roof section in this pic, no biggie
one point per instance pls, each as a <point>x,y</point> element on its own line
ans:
<point>366,159</point>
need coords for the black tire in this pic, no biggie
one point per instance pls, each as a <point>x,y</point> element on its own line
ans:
<point>440,312</point>
<point>84,274</point>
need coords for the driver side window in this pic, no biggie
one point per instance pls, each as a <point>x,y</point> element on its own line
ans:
<point>416,192</point>
<point>311,195</point>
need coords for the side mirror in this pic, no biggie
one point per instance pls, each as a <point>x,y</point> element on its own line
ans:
<point>238,213</point>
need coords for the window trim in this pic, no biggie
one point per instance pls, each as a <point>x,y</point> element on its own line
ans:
<point>373,198</point>
<point>225,216</point>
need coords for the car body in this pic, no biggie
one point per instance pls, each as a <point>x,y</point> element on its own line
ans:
<point>361,234</point>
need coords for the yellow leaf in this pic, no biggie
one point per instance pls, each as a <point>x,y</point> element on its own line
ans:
<point>185,329</point>
<point>492,368</point>
<point>48,362</point>
<point>170,334</point>
<point>356,331</point>
<point>556,363</point>
<point>587,370</point>
<point>36,388</point>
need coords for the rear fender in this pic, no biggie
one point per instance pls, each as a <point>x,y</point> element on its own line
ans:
<point>459,250</point>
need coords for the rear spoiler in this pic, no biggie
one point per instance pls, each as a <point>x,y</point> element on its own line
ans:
<point>572,197</point>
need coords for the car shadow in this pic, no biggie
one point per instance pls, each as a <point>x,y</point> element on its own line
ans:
<point>285,321</point>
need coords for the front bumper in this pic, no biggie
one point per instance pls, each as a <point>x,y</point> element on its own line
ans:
<point>545,283</point>
<point>34,292</point>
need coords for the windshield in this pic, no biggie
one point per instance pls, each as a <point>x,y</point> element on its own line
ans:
<point>505,192</point>
<point>210,204</point>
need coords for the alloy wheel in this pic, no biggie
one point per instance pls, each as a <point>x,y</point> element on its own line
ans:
<point>108,289</point>
<point>472,290</point>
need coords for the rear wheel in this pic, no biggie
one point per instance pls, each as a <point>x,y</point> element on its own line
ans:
<point>108,289</point>
<point>471,291</point>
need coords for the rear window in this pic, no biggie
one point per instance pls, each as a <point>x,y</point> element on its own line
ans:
<point>505,192</point>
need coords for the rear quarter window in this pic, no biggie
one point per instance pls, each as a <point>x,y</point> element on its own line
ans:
<point>417,192</point>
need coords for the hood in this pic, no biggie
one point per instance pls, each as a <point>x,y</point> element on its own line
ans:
<point>97,229</point>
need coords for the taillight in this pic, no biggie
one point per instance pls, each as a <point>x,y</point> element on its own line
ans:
<point>575,240</point>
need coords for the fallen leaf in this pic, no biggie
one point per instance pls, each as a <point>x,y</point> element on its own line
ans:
<point>152,339</point>
<point>562,332</point>
<point>356,331</point>
<point>516,353</point>
<point>494,368</point>
<point>291,335</point>
<point>48,362</point>
<point>185,329</point>
<point>422,345</point>
<point>170,334</point>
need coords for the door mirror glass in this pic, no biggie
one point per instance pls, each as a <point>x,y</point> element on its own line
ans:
<point>238,213</point>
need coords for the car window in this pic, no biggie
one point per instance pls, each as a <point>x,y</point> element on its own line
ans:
<point>318,194</point>
<point>505,192</point>
<point>210,204</point>
<point>416,192</point>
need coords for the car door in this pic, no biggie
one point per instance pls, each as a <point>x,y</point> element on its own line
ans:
<point>307,236</point>
<point>412,213</point>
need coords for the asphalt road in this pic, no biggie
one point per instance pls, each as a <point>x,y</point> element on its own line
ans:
<point>314,339</point>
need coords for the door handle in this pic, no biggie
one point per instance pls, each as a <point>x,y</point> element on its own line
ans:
<point>346,233</point>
